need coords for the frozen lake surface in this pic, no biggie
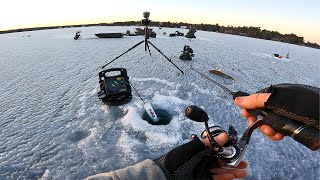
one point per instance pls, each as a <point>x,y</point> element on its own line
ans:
<point>53,125</point>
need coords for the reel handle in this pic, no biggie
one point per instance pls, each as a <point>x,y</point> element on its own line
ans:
<point>197,114</point>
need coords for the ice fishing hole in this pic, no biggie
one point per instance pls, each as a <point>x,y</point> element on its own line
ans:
<point>163,115</point>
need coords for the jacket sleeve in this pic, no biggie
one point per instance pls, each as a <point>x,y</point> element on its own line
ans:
<point>146,169</point>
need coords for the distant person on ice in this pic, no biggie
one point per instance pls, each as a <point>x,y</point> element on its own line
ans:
<point>193,160</point>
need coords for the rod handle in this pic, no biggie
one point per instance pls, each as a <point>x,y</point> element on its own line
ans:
<point>308,136</point>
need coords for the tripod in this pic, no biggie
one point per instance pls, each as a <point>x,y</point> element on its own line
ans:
<point>146,46</point>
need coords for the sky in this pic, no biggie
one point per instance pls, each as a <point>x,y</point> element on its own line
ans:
<point>285,16</point>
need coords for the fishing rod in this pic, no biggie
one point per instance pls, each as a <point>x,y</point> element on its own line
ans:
<point>300,132</point>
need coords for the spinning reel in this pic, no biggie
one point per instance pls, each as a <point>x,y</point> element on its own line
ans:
<point>233,151</point>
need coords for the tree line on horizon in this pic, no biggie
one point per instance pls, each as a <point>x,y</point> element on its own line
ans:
<point>254,32</point>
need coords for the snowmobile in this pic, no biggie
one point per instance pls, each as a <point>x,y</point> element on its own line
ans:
<point>128,33</point>
<point>142,32</point>
<point>280,57</point>
<point>153,34</point>
<point>177,33</point>
<point>114,90</point>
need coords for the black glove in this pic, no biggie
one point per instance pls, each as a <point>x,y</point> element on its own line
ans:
<point>294,101</point>
<point>188,161</point>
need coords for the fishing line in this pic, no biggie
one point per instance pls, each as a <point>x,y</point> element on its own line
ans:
<point>226,76</point>
<point>213,81</point>
<point>137,92</point>
<point>94,56</point>
<point>210,79</point>
<point>147,107</point>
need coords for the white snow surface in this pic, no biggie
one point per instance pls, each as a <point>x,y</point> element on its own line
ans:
<point>53,126</point>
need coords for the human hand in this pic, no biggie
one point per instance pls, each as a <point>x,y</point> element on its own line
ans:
<point>229,173</point>
<point>225,172</point>
<point>255,101</point>
<point>194,160</point>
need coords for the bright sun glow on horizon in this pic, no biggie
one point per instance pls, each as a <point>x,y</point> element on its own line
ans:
<point>286,16</point>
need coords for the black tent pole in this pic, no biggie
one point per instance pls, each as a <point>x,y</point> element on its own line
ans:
<point>123,54</point>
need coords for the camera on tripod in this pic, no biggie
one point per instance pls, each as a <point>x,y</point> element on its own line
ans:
<point>147,33</point>
<point>146,21</point>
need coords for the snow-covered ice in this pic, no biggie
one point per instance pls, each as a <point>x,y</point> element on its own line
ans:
<point>53,126</point>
